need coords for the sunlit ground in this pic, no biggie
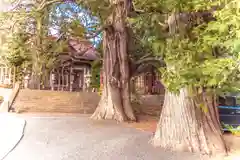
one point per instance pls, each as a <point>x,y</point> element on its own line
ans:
<point>148,123</point>
<point>11,132</point>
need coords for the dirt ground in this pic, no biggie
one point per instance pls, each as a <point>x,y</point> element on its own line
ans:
<point>234,143</point>
<point>148,123</point>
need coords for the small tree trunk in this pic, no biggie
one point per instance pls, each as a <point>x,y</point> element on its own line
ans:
<point>115,101</point>
<point>184,126</point>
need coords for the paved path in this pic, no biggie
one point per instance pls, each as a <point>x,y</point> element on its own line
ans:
<point>11,133</point>
<point>79,138</point>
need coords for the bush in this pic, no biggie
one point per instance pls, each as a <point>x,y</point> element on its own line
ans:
<point>234,131</point>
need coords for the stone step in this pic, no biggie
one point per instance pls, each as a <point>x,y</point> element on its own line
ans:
<point>55,101</point>
<point>75,102</point>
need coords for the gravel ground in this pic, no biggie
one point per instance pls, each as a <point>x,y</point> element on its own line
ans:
<point>12,130</point>
<point>79,138</point>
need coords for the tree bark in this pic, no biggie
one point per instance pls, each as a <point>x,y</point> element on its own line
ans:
<point>115,100</point>
<point>185,126</point>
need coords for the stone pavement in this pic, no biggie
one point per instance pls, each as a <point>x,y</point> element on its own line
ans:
<point>79,138</point>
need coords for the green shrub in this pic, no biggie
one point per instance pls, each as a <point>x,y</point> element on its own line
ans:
<point>234,131</point>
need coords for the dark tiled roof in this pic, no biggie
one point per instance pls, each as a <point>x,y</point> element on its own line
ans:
<point>79,49</point>
<point>83,49</point>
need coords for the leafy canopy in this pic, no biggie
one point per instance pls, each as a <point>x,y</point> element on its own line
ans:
<point>207,55</point>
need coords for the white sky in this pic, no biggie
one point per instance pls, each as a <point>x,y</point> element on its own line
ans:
<point>3,5</point>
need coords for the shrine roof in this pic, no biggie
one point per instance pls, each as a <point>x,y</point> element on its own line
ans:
<point>83,49</point>
<point>79,49</point>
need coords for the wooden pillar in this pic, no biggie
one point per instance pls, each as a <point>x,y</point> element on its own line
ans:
<point>89,77</point>
<point>62,75</point>
<point>67,80</point>
<point>79,80</point>
<point>84,78</point>
<point>52,79</point>
<point>71,79</point>
<point>59,78</point>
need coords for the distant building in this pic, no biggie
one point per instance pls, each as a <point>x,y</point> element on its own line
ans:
<point>74,71</point>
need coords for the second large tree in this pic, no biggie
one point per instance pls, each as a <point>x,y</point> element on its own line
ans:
<point>115,101</point>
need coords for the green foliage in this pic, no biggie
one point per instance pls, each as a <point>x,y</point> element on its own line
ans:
<point>28,45</point>
<point>208,56</point>
<point>101,9</point>
<point>18,53</point>
<point>95,77</point>
<point>234,131</point>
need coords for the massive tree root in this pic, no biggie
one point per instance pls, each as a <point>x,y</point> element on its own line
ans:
<point>188,125</point>
<point>115,101</point>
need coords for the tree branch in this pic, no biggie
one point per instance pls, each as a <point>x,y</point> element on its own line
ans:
<point>96,33</point>
<point>149,60</point>
<point>133,11</point>
<point>11,28</point>
<point>46,3</point>
<point>142,64</point>
<point>11,17</point>
<point>175,20</point>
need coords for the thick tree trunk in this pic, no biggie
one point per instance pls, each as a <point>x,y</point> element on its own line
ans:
<point>185,126</point>
<point>115,101</point>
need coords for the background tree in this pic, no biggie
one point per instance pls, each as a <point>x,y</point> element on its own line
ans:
<point>118,57</point>
<point>115,101</point>
<point>17,54</point>
<point>141,59</point>
<point>31,41</point>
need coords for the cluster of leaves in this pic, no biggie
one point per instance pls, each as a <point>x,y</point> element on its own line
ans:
<point>233,130</point>
<point>18,52</point>
<point>100,9</point>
